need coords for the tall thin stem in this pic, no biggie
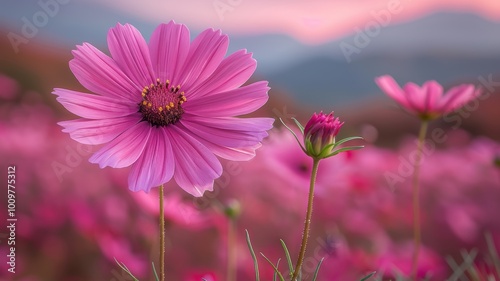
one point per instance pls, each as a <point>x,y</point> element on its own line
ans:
<point>307,223</point>
<point>162,236</point>
<point>416,198</point>
<point>231,250</point>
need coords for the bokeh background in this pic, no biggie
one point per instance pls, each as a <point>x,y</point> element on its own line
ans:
<point>74,219</point>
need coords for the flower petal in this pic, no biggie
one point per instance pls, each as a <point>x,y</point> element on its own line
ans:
<point>101,75</point>
<point>433,93</point>
<point>130,51</point>
<point>125,149</point>
<point>415,97</point>
<point>230,138</point>
<point>457,97</point>
<point>196,166</point>
<point>232,72</point>
<point>169,47</point>
<point>233,154</point>
<point>387,84</point>
<point>229,131</point>
<point>94,106</point>
<point>205,54</point>
<point>98,131</point>
<point>240,101</point>
<point>155,166</point>
<point>230,153</point>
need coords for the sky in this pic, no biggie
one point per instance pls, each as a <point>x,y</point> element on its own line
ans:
<point>311,22</point>
<point>290,38</point>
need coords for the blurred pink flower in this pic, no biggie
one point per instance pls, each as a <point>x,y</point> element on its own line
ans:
<point>176,210</point>
<point>427,101</point>
<point>166,108</point>
<point>396,261</point>
<point>114,246</point>
<point>207,276</point>
<point>283,159</point>
<point>463,221</point>
<point>8,87</point>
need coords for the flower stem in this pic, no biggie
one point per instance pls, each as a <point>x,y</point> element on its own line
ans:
<point>162,236</point>
<point>307,223</point>
<point>231,250</point>
<point>416,199</point>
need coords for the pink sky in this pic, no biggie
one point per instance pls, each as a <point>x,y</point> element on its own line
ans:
<point>313,21</point>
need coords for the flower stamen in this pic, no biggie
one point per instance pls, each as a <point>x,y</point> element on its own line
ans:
<point>161,104</point>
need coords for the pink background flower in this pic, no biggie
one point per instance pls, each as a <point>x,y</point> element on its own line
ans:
<point>427,101</point>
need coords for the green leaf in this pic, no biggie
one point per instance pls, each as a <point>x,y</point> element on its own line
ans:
<point>293,133</point>
<point>275,275</point>
<point>124,268</point>
<point>301,128</point>
<point>346,140</point>
<point>493,252</point>
<point>368,276</point>
<point>323,151</point>
<point>276,270</point>
<point>317,269</point>
<point>254,257</point>
<point>154,271</point>
<point>343,149</point>
<point>288,258</point>
<point>309,146</point>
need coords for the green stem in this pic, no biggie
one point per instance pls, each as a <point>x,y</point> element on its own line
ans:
<point>162,236</point>
<point>307,223</point>
<point>231,250</point>
<point>416,198</point>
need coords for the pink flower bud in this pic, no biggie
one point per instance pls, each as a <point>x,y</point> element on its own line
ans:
<point>319,134</point>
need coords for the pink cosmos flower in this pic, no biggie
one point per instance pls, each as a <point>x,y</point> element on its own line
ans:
<point>166,108</point>
<point>427,101</point>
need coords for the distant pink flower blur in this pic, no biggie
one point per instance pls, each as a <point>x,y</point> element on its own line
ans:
<point>176,210</point>
<point>166,108</point>
<point>427,101</point>
<point>8,87</point>
<point>320,132</point>
<point>210,276</point>
<point>363,224</point>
